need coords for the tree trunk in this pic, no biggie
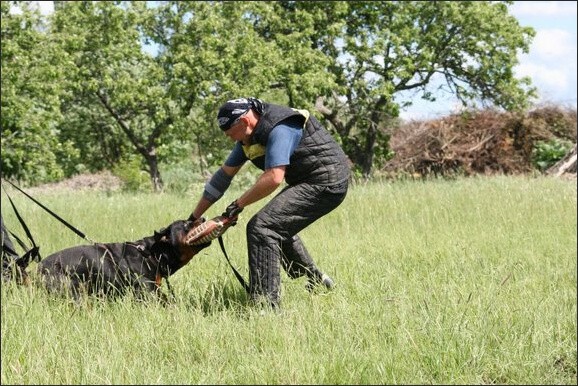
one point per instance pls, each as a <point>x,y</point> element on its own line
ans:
<point>368,153</point>
<point>154,172</point>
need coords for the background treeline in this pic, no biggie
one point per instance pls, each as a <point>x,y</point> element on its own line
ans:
<point>135,86</point>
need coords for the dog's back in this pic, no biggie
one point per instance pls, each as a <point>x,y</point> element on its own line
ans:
<point>114,268</point>
<point>103,269</point>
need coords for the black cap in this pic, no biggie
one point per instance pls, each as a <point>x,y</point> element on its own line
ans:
<point>231,110</point>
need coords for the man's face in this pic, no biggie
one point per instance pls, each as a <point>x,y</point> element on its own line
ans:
<point>240,130</point>
<point>237,131</point>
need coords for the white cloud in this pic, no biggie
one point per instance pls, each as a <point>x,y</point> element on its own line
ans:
<point>554,42</point>
<point>551,64</point>
<point>547,77</point>
<point>543,8</point>
<point>45,7</point>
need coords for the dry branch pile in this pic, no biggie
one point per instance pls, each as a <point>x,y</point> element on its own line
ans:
<point>104,181</point>
<point>479,142</point>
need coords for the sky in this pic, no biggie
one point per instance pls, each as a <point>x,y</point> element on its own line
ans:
<point>551,62</point>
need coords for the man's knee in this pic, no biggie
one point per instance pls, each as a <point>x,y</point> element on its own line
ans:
<point>260,230</point>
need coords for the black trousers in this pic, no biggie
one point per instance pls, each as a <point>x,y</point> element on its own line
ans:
<point>273,241</point>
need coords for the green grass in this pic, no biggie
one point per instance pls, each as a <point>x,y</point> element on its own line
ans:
<point>471,281</point>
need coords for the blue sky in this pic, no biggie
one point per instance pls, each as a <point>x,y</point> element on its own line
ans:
<point>551,62</point>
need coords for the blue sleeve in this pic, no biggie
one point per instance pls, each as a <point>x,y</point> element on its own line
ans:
<point>237,156</point>
<point>282,142</point>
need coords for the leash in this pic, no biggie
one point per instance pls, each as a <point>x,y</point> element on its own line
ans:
<point>34,252</point>
<point>237,274</point>
<point>212,229</point>
<point>72,228</point>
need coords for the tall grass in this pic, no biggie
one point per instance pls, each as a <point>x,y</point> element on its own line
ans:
<point>471,281</point>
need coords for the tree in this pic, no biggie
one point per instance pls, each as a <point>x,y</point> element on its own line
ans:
<point>116,83</point>
<point>216,51</point>
<point>395,51</point>
<point>170,95</point>
<point>144,79</point>
<point>32,79</point>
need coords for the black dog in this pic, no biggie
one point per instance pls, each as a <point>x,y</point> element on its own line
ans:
<point>112,269</point>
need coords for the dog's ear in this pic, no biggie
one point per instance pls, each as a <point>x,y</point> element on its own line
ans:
<point>173,234</point>
<point>158,235</point>
<point>163,232</point>
<point>178,231</point>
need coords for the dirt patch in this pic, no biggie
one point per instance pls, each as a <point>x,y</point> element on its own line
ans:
<point>104,181</point>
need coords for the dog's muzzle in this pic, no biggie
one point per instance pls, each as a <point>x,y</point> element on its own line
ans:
<point>209,230</point>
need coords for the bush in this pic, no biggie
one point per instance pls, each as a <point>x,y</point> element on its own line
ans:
<point>133,177</point>
<point>547,153</point>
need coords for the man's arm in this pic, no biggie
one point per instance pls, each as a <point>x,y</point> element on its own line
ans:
<point>281,144</point>
<point>266,184</point>
<point>204,203</point>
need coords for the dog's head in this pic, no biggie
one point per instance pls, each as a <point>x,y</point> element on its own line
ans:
<point>170,248</point>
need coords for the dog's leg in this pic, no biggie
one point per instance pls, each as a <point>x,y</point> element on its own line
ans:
<point>144,288</point>
<point>163,298</point>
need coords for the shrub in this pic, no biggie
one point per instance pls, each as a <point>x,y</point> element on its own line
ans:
<point>133,177</point>
<point>547,153</point>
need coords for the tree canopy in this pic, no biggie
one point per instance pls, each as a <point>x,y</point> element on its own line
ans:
<point>97,84</point>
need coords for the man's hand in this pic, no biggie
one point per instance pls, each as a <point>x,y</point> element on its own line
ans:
<point>233,211</point>
<point>192,221</point>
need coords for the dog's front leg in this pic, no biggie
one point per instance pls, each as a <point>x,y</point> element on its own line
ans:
<point>149,288</point>
<point>158,291</point>
<point>163,298</point>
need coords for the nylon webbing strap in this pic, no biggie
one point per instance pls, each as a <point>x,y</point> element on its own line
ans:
<point>79,233</point>
<point>32,253</point>
<point>237,274</point>
<point>26,230</point>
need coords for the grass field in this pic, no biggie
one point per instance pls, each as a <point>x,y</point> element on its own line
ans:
<point>469,281</point>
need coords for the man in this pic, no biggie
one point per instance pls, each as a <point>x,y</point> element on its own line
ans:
<point>291,145</point>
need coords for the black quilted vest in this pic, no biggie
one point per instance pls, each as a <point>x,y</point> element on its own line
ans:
<point>317,160</point>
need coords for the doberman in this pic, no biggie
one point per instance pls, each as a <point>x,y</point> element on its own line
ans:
<point>112,269</point>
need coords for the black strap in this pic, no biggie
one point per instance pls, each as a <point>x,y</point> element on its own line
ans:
<point>28,234</point>
<point>23,261</point>
<point>79,233</point>
<point>34,252</point>
<point>10,251</point>
<point>239,277</point>
<point>20,242</point>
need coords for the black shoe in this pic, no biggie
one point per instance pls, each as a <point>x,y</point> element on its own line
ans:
<point>314,281</point>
